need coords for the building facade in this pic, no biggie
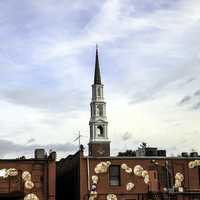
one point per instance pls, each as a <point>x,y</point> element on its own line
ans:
<point>128,178</point>
<point>28,179</point>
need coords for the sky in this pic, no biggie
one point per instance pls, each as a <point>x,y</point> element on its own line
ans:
<point>150,64</point>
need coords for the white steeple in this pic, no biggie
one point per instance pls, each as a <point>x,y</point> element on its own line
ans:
<point>98,121</point>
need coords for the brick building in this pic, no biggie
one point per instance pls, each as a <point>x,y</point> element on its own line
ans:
<point>28,179</point>
<point>76,174</point>
<point>143,174</point>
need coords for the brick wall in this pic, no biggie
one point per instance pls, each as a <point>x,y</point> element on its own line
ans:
<point>191,176</point>
<point>43,177</point>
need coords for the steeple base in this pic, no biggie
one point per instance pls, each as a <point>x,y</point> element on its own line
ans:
<point>99,149</point>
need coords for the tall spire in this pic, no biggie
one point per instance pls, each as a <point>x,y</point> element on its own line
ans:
<point>97,74</point>
<point>99,144</point>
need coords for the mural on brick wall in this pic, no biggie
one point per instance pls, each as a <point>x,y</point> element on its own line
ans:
<point>26,177</point>
<point>102,168</point>
<point>139,171</point>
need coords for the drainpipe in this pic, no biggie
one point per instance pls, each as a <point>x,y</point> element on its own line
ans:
<point>88,173</point>
<point>166,165</point>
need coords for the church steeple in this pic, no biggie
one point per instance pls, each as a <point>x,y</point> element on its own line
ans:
<point>99,144</point>
<point>97,74</point>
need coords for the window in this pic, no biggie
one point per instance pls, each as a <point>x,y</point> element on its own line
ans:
<point>165,177</point>
<point>114,175</point>
<point>199,175</point>
<point>155,175</point>
<point>100,131</point>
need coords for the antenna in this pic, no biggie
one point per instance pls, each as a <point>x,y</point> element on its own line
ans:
<point>79,139</point>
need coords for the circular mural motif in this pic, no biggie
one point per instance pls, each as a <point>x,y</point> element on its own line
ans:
<point>102,168</point>
<point>26,176</point>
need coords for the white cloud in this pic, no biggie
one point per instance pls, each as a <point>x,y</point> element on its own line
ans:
<point>149,57</point>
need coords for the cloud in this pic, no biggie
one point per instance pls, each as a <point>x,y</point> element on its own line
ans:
<point>142,30</point>
<point>126,136</point>
<point>149,61</point>
<point>47,99</point>
<point>196,106</point>
<point>190,80</point>
<point>197,93</point>
<point>192,100</point>
<point>184,100</point>
<point>31,140</point>
<point>8,148</point>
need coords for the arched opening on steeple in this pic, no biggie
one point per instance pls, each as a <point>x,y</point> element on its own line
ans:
<point>100,131</point>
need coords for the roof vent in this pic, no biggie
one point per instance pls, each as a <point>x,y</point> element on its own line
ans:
<point>184,154</point>
<point>40,154</point>
<point>194,154</point>
<point>161,153</point>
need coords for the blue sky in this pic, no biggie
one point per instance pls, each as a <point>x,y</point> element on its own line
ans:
<point>150,64</point>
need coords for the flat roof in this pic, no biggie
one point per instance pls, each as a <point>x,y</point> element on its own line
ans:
<point>21,160</point>
<point>143,158</point>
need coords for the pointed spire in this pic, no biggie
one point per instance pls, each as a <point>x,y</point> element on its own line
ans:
<point>97,74</point>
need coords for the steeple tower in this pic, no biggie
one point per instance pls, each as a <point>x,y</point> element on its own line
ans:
<point>99,144</point>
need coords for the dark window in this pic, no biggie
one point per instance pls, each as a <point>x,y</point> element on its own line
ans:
<point>199,175</point>
<point>165,177</point>
<point>130,199</point>
<point>155,177</point>
<point>114,175</point>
